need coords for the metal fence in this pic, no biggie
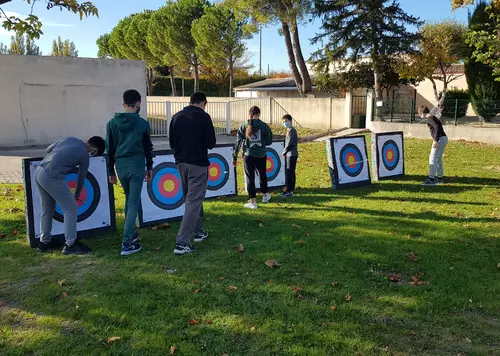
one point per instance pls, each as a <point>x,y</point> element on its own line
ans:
<point>226,116</point>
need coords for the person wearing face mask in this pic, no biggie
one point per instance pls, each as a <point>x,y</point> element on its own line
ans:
<point>191,135</point>
<point>291,155</point>
<point>254,136</point>
<point>130,149</point>
<point>439,142</point>
<point>50,177</point>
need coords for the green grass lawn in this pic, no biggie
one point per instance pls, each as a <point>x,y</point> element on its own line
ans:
<point>330,244</point>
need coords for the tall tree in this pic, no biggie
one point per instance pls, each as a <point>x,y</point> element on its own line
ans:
<point>64,48</point>
<point>463,3</point>
<point>103,46</point>
<point>357,28</point>
<point>158,46</point>
<point>3,49</point>
<point>31,48</point>
<point>219,40</point>
<point>17,45</point>
<point>180,15</point>
<point>484,91</point>
<point>441,45</point>
<point>32,25</point>
<point>288,13</point>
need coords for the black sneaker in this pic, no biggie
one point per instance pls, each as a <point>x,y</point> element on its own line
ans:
<point>201,236</point>
<point>130,249</point>
<point>430,182</point>
<point>77,248</point>
<point>183,249</point>
<point>42,247</point>
<point>439,181</point>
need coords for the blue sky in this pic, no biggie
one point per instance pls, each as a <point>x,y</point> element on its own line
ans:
<point>84,33</point>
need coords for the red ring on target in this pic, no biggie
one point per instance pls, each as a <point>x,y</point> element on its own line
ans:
<point>169,185</point>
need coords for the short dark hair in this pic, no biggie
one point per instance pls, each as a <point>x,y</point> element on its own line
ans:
<point>254,110</point>
<point>131,97</point>
<point>287,117</point>
<point>99,143</point>
<point>423,110</point>
<point>198,98</point>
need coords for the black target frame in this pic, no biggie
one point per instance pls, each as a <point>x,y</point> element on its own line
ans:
<point>59,239</point>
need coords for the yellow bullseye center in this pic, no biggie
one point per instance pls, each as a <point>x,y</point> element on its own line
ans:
<point>389,155</point>
<point>268,164</point>
<point>72,190</point>
<point>350,160</point>
<point>168,186</point>
<point>213,172</point>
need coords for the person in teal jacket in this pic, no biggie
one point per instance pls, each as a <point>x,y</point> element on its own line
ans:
<point>130,149</point>
<point>254,136</point>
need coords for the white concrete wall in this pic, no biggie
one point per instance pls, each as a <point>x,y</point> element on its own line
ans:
<point>478,134</point>
<point>46,98</point>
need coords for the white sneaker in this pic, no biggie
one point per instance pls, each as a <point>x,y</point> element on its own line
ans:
<point>266,198</point>
<point>250,205</point>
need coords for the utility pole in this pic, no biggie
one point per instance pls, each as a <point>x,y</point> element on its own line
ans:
<point>260,55</point>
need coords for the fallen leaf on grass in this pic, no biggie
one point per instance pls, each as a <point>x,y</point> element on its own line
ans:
<point>252,328</point>
<point>261,225</point>
<point>295,226</point>
<point>15,232</point>
<point>231,289</point>
<point>308,235</point>
<point>395,277</point>
<point>417,280</point>
<point>300,242</point>
<point>157,248</point>
<point>412,333</point>
<point>210,322</point>
<point>14,211</point>
<point>224,354</point>
<point>272,263</point>
<point>334,284</point>
<point>162,226</point>
<point>172,349</point>
<point>408,236</point>
<point>412,257</point>
<point>348,297</point>
<point>113,339</point>
<point>297,289</point>
<point>259,220</point>
<point>221,278</point>
<point>324,324</point>
<point>2,303</point>
<point>334,308</point>
<point>323,244</point>
<point>452,268</point>
<point>241,249</point>
<point>498,266</point>
<point>197,290</point>
<point>61,282</point>
<point>193,322</point>
<point>64,295</point>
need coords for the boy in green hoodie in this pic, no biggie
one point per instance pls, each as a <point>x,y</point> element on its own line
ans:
<point>129,148</point>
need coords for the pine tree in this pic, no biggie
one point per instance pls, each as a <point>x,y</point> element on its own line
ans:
<point>17,45</point>
<point>484,90</point>
<point>62,48</point>
<point>358,28</point>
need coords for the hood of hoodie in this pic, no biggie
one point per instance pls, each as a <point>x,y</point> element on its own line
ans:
<point>126,121</point>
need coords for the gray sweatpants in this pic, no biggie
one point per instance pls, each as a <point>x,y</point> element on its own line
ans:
<point>436,158</point>
<point>52,192</point>
<point>194,181</point>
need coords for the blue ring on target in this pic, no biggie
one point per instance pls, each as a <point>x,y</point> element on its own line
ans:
<point>90,195</point>
<point>219,166</point>
<point>389,146</point>
<point>351,160</point>
<point>165,188</point>
<point>274,158</point>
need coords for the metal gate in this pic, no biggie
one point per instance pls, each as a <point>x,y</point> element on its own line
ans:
<point>358,112</point>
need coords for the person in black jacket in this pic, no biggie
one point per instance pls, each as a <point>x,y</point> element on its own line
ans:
<point>291,154</point>
<point>440,140</point>
<point>191,135</point>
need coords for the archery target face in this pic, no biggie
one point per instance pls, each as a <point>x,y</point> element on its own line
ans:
<point>94,207</point>
<point>390,155</point>
<point>275,166</point>
<point>351,161</point>
<point>221,174</point>
<point>162,198</point>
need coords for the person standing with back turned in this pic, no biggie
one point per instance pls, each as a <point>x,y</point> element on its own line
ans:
<point>191,135</point>
<point>129,146</point>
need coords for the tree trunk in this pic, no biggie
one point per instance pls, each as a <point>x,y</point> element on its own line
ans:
<point>231,77</point>
<point>291,57</point>
<point>196,76</point>
<point>299,57</point>
<point>172,80</point>
<point>149,80</point>
<point>378,95</point>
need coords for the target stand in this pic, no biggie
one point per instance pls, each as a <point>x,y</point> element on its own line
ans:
<point>96,207</point>
<point>162,198</point>
<point>388,155</point>
<point>275,167</point>
<point>348,162</point>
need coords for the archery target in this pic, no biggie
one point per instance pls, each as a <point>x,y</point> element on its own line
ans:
<point>348,161</point>
<point>96,211</point>
<point>275,166</point>
<point>388,155</point>
<point>221,173</point>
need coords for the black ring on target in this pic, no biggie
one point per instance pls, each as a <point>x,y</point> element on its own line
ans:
<point>90,196</point>
<point>390,155</point>
<point>165,187</point>
<point>218,172</point>
<point>273,164</point>
<point>351,160</point>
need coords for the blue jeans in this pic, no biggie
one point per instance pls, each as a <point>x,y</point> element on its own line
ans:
<point>132,180</point>
<point>436,158</point>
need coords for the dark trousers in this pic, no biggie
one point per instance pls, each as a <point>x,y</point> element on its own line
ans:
<point>291,164</point>
<point>253,165</point>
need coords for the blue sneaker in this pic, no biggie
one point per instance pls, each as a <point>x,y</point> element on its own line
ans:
<point>183,249</point>
<point>287,195</point>
<point>135,238</point>
<point>130,249</point>
<point>430,182</point>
